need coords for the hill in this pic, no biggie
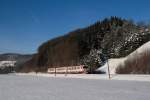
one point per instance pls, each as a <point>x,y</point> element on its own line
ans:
<point>19,60</point>
<point>113,37</point>
<point>135,63</point>
<point>13,56</point>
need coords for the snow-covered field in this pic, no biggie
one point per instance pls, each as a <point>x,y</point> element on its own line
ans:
<point>127,77</point>
<point>27,87</point>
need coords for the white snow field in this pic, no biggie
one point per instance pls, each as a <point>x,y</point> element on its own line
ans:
<point>21,87</point>
<point>115,62</point>
<point>127,77</point>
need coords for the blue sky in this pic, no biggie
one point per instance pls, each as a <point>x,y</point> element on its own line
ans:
<point>25,24</point>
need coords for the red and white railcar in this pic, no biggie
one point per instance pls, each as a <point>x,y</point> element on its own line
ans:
<point>67,69</point>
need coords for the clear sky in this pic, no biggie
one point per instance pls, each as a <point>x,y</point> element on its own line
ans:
<point>25,24</point>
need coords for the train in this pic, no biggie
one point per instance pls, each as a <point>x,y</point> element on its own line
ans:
<point>67,69</point>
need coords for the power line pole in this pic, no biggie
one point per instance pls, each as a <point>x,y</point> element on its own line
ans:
<point>66,71</point>
<point>104,57</point>
<point>108,69</point>
<point>55,71</point>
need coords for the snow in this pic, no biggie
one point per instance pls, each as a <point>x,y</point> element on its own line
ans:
<point>15,87</point>
<point>127,77</point>
<point>115,62</point>
<point>7,63</point>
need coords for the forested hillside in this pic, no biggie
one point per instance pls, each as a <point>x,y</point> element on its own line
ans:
<point>113,37</point>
